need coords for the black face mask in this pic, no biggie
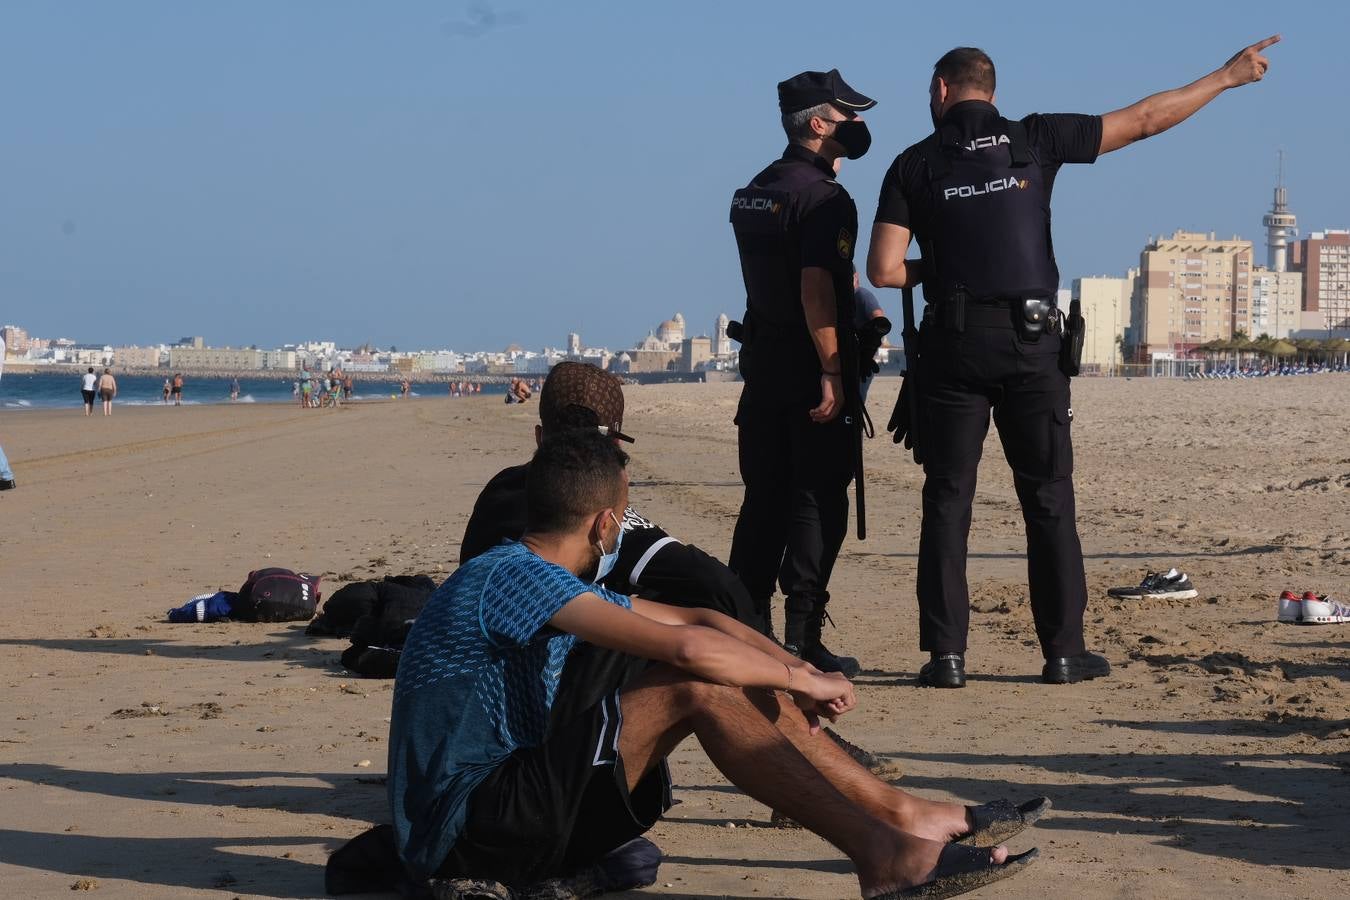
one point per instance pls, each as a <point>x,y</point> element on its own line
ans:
<point>853,136</point>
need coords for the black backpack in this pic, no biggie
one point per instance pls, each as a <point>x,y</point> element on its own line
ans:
<point>277,595</point>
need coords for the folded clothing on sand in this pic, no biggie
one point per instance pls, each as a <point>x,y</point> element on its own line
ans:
<point>205,608</point>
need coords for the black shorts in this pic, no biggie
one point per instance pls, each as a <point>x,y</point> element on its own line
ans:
<point>176,390</point>
<point>549,810</point>
<point>88,395</point>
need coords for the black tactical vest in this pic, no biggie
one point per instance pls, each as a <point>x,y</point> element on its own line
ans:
<point>766,216</point>
<point>990,229</point>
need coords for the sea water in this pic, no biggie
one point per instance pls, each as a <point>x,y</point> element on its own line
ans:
<point>52,390</point>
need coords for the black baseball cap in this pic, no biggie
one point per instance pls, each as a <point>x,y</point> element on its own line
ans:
<point>814,88</point>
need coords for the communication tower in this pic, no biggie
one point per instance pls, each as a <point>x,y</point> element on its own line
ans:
<point>1280,224</point>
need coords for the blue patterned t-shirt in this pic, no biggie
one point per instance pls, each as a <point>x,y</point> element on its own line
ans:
<point>476,681</point>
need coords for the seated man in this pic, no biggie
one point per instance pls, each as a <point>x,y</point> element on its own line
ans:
<point>651,562</point>
<point>483,783</point>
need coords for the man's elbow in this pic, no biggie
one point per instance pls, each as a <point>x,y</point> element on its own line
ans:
<point>689,650</point>
<point>878,273</point>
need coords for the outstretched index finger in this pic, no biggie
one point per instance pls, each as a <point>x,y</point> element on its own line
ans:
<point>1261,45</point>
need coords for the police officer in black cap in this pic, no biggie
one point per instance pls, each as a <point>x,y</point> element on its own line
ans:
<point>976,194</point>
<point>795,230</point>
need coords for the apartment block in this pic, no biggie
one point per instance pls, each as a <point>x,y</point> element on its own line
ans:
<point>1192,288</point>
<point>14,339</point>
<point>214,358</point>
<point>1276,298</point>
<point>136,357</point>
<point>1105,303</point>
<point>1323,258</point>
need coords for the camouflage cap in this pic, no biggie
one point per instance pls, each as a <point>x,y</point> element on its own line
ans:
<point>579,395</point>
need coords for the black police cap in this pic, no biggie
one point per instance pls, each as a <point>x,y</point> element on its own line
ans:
<point>814,88</point>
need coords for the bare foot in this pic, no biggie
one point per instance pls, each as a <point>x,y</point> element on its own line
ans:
<point>913,863</point>
<point>944,822</point>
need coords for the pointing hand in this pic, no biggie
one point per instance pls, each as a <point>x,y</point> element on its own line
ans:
<point>1248,65</point>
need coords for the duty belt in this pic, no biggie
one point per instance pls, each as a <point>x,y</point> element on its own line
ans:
<point>1031,316</point>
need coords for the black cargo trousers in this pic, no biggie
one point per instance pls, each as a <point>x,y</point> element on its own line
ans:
<point>965,374</point>
<point>794,514</point>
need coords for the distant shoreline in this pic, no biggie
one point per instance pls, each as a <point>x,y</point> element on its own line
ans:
<point>67,370</point>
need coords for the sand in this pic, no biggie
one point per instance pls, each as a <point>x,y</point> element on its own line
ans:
<point>143,759</point>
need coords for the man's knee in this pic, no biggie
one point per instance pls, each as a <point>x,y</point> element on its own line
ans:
<point>684,694</point>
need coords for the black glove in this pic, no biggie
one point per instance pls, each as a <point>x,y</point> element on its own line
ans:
<point>869,342</point>
<point>899,423</point>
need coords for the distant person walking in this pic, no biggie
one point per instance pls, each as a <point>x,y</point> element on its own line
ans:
<point>168,386</point>
<point>405,388</point>
<point>89,389</point>
<point>306,385</point>
<point>176,389</point>
<point>6,473</point>
<point>234,389</point>
<point>346,387</point>
<point>107,390</point>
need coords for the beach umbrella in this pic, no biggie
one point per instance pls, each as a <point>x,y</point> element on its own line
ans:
<point>1282,348</point>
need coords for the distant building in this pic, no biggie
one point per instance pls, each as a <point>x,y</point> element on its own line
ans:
<point>198,343</point>
<point>136,357</point>
<point>1276,300</point>
<point>721,342</point>
<point>573,344</point>
<point>278,359</point>
<point>1105,303</point>
<point>214,358</point>
<point>1323,258</point>
<point>651,355</point>
<point>695,354</point>
<point>1193,288</point>
<point>671,332</point>
<point>14,339</point>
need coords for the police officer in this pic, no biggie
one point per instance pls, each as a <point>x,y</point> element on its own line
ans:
<point>976,195</point>
<point>795,230</point>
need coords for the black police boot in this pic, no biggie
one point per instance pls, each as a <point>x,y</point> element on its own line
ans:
<point>944,670</point>
<point>805,618</point>
<point>1072,669</point>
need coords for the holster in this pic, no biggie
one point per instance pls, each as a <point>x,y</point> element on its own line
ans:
<point>1074,333</point>
<point>951,312</point>
<point>742,332</point>
<point>1032,315</point>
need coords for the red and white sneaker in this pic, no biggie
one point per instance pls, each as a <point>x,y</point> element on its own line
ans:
<point>1323,610</point>
<point>1291,608</point>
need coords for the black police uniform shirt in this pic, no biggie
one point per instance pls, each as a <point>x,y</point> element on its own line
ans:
<point>990,236</point>
<point>790,218</point>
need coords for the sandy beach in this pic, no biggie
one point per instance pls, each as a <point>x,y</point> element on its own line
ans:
<point>145,759</point>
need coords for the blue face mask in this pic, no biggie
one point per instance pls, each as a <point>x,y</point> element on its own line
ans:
<point>608,560</point>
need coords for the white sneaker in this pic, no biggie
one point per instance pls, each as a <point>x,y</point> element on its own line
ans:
<point>1290,609</point>
<point>1323,610</point>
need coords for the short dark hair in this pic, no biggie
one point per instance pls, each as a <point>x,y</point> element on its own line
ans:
<point>966,67</point>
<point>573,475</point>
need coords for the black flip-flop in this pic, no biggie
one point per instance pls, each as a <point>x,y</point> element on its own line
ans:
<point>997,821</point>
<point>961,869</point>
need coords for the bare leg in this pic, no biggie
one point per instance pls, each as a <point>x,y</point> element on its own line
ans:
<point>737,729</point>
<point>923,818</point>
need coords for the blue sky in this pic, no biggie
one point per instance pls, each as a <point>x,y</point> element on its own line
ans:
<point>465,175</point>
